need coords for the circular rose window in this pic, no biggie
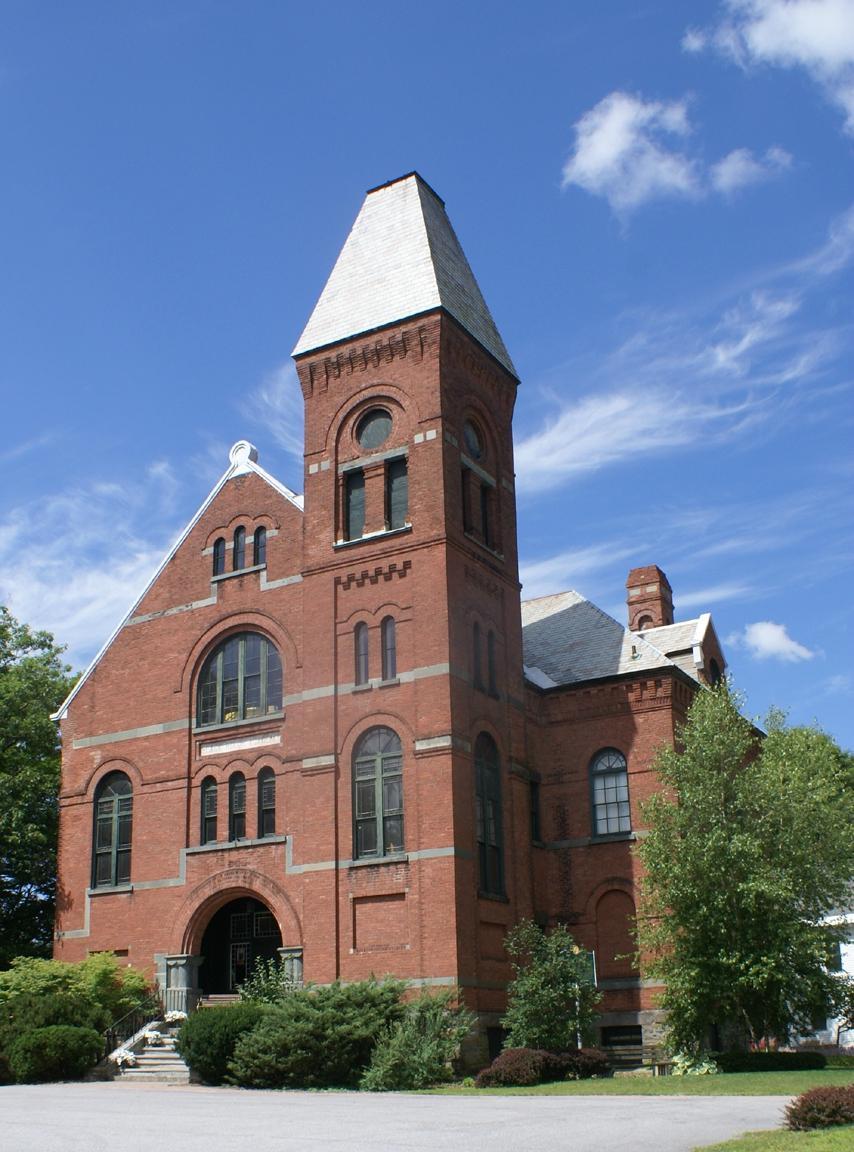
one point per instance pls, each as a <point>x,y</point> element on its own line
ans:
<point>373,429</point>
<point>471,439</point>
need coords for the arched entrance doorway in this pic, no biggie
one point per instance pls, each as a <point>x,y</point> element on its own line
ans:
<point>239,934</point>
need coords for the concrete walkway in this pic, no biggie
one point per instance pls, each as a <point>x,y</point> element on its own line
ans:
<point>122,1117</point>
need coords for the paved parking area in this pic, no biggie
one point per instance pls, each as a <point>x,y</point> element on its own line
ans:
<point>133,1118</point>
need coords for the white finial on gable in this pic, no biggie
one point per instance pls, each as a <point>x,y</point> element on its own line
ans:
<point>241,455</point>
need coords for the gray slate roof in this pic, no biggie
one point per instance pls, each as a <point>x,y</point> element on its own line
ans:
<point>402,258</point>
<point>566,639</point>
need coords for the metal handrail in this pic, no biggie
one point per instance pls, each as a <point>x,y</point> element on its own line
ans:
<point>129,1024</point>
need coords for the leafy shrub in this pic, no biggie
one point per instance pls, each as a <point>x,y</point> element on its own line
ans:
<point>822,1108</point>
<point>582,1063</point>
<point>770,1061</point>
<point>417,1051</point>
<point>207,1039</point>
<point>317,1037</point>
<point>58,1052</point>
<point>519,1067</point>
<point>99,980</point>
<point>29,1010</point>
<point>269,982</point>
<point>694,1064</point>
<point>839,1059</point>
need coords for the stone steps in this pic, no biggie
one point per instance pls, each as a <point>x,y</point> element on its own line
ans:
<point>157,1063</point>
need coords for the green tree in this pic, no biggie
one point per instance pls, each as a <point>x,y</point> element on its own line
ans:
<point>551,1002</point>
<point>750,845</point>
<point>33,683</point>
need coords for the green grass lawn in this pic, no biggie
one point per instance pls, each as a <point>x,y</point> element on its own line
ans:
<point>725,1084</point>
<point>824,1140</point>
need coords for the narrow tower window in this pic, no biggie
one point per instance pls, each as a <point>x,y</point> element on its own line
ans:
<point>266,803</point>
<point>389,648</point>
<point>238,559</point>
<point>490,843</point>
<point>609,781</point>
<point>354,504</point>
<point>490,664</point>
<point>360,641</point>
<point>397,493</point>
<point>378,794</point>
<point>219,557</point>
<point>237,807</point>
<point>477,668</point>
<point>259,546</point>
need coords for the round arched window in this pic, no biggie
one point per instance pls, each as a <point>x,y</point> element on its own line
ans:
<point>240,680</point>
<point>472,440</point>
<point>373,429</point>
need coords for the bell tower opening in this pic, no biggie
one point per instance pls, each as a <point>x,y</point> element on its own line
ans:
<point>239,934</point>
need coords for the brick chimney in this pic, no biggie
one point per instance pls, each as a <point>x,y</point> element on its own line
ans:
<point>650,598</point>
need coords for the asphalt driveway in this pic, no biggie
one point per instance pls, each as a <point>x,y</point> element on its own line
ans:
<point>134,1118</point>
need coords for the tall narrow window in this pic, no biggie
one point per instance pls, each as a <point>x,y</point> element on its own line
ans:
<point>238,558</point>
<point>396,493</point>
<point>536,826</point>
<point>490,844</point>
<point>208,796</point>
<point>609,782</point>
<point>219,557</point>
<point>360,641</point>
<point>240,680</point>
<point>486,514</point>
<point>490,664</point>
<point>259,546</point>
<point>113,827</point>
<point>465,481</point>
<point>237,807</point>
<point>266,803</point>
<point>389,648</point>
<point>354,504</point>
<point>476,663</point>
<point>377,794</point>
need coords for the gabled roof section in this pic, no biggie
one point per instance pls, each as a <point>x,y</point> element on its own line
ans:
<point>686,643</point>
<point>402,258</point>
<point>568,639</point>
<point>243,458</point>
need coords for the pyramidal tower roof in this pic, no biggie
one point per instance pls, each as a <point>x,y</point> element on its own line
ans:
<point>402,258</point>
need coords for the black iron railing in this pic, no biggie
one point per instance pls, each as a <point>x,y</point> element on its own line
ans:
<point>129,1024</point>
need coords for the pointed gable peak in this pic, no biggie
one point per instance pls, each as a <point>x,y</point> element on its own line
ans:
<point>402,258</point>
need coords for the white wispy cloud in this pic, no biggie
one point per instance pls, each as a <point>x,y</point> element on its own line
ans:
<point>631,150</point>
<point>16,451</point>
<point>96,548</point>
<point>569,568</point>
<point>624,150</point>
<point>766,640</point>
<point>276,404</point>
<point>816,36</point>
<point>689,377</point>
<point>740,168</point>
<point>714,594</point>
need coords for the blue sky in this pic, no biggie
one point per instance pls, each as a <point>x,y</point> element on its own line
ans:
<point>657,200</point>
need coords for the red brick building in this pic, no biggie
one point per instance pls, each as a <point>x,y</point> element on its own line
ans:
<point>328,728</point>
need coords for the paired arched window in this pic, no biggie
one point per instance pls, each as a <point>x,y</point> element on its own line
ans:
<point>240,680</point>
<point>377,794</point>
<point>237,806</point>
<point>490,842</point>
<point>259,546</point>
<point>389,645</point>
<point>219,557</point>
<point>208,811</point>
<point>112,833</point>
<point>238,557</point>
<point>361,671</point>
<point>266,803</point>
<point>609,784</point>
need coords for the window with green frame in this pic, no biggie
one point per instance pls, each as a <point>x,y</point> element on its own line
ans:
<point>490,840</point>
<point>377,794</point>
<point>112,835</point>
<point>240,680</point>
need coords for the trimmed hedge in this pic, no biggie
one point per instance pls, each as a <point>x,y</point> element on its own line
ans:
<point>207,1039</point>
<point>58,1052</point>
<point>821,1108</point>
<point>317,1037</point>
<point>803,1061</point>
<point>29,1011</point>
<point>523,1067</point>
